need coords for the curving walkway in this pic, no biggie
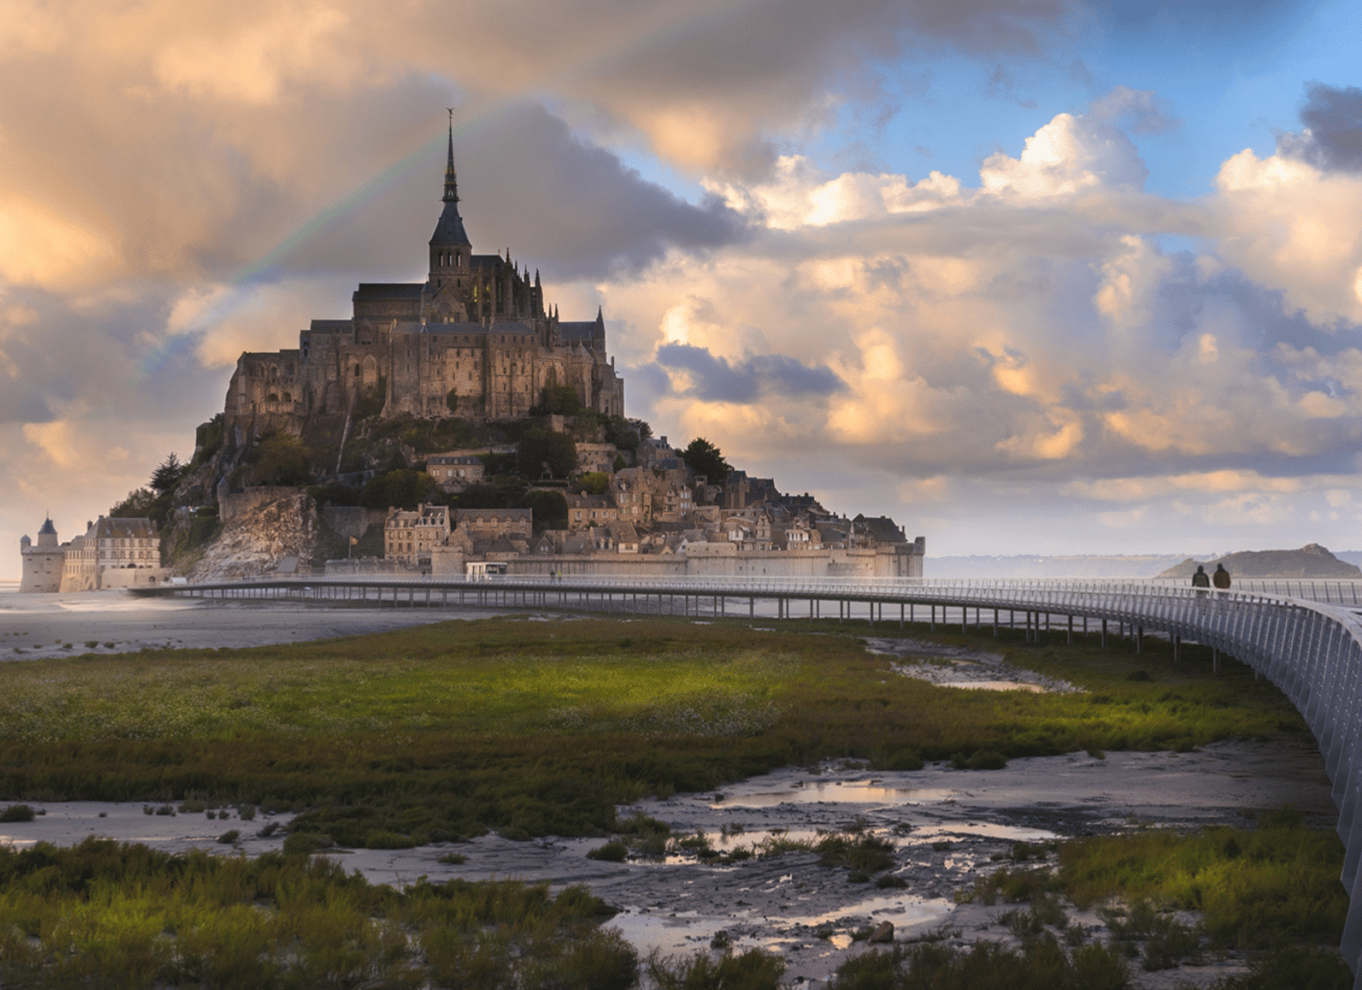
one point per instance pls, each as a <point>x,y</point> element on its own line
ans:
<point>1311,650</point>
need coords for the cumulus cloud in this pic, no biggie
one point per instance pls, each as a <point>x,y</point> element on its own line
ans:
<point>1005,342</point>
<point>1067,156</point>
<point>1292,226</point>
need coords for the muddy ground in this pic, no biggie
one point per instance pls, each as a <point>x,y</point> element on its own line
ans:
<point>946,826</point>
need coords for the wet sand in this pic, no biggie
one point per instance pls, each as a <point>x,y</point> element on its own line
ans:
<point>34,627</point>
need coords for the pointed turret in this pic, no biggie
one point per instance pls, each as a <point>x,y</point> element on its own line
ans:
<point>451,177</point>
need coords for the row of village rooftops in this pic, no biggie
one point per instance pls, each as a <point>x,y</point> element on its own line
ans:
<point>435,540</point>
<point>112,553</point>
<point>657,509</point>
<point>659,488</point>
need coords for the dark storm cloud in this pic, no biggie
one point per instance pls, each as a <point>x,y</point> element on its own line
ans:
<point>100,357</point>
<point>718,380</point>
<point>1332,138</point>
<point>572,208</point>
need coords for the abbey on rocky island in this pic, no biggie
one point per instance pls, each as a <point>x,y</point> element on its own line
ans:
<point>475,340</point>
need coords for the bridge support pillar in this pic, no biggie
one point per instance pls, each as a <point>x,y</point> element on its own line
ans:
<point>900,615</point>
<point>1139,639</point>
<point>1177,648</point>
<point>995,623</point>
<point>933,626</point>
<point>1104,634</point>
<point>1071,630</point>
<point>1215,660</point>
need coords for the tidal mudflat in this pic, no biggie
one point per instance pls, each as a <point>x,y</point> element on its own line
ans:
<point>108,622</point>
<point>947,827</point>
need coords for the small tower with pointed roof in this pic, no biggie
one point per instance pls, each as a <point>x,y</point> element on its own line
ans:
<point>42,562</point>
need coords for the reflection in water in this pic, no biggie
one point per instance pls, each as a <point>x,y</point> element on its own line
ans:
<point>842,792</point>
<point>902,909</point>
<point>670,933</point>
<point>989,830</point>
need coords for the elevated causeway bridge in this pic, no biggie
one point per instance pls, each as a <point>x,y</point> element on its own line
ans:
<point>1305,637</point>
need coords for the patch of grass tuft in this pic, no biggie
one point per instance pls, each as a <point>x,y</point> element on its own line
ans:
<point>17,813</point>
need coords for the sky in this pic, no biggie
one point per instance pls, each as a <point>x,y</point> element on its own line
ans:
<point>1028,276</point>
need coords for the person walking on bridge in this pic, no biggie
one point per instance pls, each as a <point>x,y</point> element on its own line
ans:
<point>1201,580</point>
<point>1221,578</point>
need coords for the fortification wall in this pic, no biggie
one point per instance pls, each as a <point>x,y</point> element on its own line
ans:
<point>352,520</point>
<point>726,560</point>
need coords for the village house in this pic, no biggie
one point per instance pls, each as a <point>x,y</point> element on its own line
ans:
<point>492,524</point>
<point>590,510</point>
<point>455,472</point>
<point>410,537</point>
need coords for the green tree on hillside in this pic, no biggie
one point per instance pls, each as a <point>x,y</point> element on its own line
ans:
<point>703,457</point>
<point>593,483</point>
<point>138,505</point>
<point>168,474</point>
<point>540,449</point>
<point>549,508</point>
<point>559,400</point>
<point>400,488</point>
<point>281,459</point>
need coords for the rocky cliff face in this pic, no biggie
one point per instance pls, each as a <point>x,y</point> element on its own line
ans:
<point>1310,561</point>
<point>254,542</point>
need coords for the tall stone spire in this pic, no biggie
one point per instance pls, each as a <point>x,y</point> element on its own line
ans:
<point>449,232</point>
<point>451,179</point>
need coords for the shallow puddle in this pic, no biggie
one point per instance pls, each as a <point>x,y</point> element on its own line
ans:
<point>840,792</point>
<point>987,830</point>
<point>902,909</point>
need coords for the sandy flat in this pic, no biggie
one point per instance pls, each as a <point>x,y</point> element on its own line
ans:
<point>37,626</point>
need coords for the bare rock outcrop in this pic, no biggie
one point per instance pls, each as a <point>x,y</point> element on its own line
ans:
<point>252,544</point>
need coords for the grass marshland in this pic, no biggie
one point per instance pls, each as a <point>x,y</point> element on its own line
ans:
<point>530,728</point>
<point>543,727</point>
<point>108,915</point>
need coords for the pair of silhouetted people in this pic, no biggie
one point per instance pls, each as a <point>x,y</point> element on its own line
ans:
<point>1221,578</point>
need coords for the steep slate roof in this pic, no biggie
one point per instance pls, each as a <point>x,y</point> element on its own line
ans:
<point>577,332</point>
<point>450,228</point>
<point>881,529</point>
<point>388,290</point>
<point>332,326</point>
<point>48,529</point>
<point>124,529</point>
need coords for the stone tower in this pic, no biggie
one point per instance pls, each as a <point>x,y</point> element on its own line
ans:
<point>42,564</point>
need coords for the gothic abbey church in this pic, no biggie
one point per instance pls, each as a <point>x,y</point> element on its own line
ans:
<point>476,332</point>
